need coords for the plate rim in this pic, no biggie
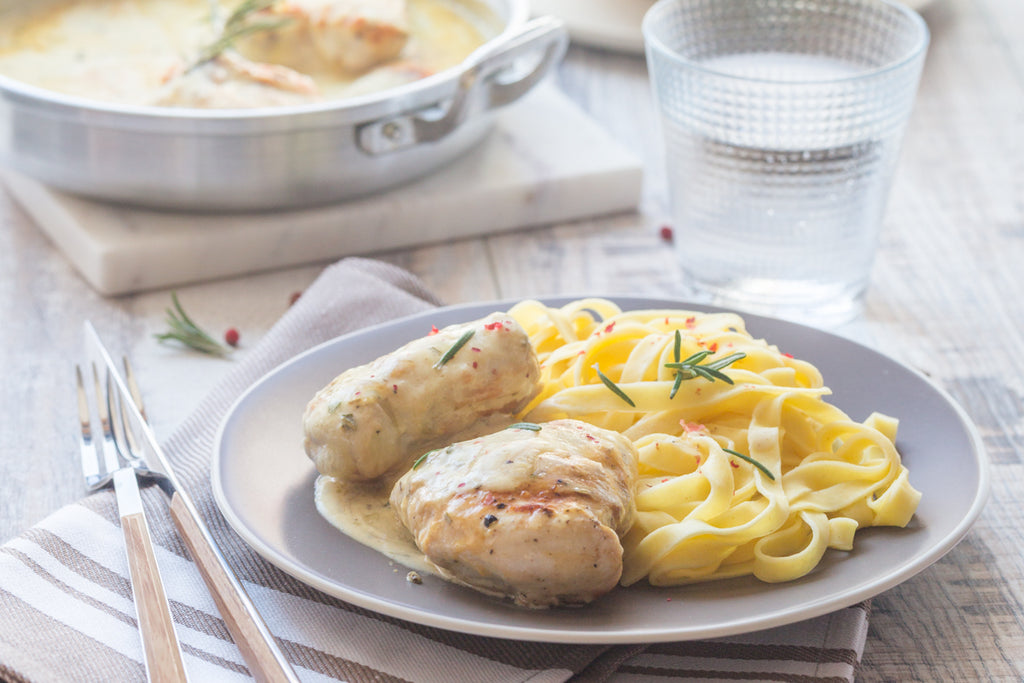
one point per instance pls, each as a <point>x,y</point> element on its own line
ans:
<point>424,617</point>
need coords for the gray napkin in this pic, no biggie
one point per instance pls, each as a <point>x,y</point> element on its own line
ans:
<point>65,599</point>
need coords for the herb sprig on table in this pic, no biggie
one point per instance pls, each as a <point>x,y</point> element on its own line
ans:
<point>185,331</point>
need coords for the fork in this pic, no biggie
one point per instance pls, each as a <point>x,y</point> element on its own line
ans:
<point>114,460</point>
<point>262,654</point>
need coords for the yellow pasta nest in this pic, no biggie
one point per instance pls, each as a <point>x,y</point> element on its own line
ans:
<point>748,471</point>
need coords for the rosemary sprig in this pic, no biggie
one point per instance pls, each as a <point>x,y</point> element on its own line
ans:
<point>238,25</point>
<point>613,386</point>
<point>753,462</point>
<point>450,353</point>
<point>531,426</point>
<point>691,367</point>
<point>185,331</point>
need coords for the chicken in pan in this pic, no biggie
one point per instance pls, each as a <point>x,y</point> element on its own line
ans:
<point>350,36</point>
<point>230,80</point>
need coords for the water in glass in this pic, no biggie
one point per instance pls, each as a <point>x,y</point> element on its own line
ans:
<point>779,217</point>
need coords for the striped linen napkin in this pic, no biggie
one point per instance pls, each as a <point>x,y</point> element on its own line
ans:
<point>66,610</point>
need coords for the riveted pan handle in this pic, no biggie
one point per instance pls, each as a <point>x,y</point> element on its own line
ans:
<point>493,77</point>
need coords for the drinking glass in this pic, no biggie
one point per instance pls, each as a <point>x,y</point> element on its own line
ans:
<point>782,121</point>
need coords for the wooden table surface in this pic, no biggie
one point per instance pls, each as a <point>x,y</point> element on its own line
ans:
<point>947,298</point>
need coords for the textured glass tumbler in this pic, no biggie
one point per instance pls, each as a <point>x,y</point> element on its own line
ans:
<point>782,122</point>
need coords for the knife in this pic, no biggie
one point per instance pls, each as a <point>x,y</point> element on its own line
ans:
<point>260,651</point>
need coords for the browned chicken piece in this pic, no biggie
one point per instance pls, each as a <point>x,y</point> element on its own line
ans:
<point>373,420</point>
<point>231,81</point>
<point>532,515</point>
<point>348,36</point>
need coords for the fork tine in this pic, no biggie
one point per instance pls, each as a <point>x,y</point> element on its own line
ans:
<point>133,446</point>
<point>90,458</point>
<point>108,447</point>
<point>122,439</point>
<point>133,387</point>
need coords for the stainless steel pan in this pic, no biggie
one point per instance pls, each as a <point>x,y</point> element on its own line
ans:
<point>275,158</point>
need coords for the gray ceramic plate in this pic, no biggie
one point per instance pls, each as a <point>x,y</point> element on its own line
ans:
<point>263,483</point>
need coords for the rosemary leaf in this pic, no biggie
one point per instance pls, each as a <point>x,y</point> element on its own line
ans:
<point>697,357</point>
<point>675,386</point>
<point>710,374</point>
<point>422,458</point>
<point>185,331</point>
<point>531,426</point>
<point>613,386</point>
<point>720,363</point>
<point>244,9</point>
<point>228,38</point>
<point>677,351</point>
<point>753,462</point>
<point>450,353</point>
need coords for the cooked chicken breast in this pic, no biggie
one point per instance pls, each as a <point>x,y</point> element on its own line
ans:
<point>231,81</point>
<point>349,36</point>
<point>375,419</point>
<point>532,515</point>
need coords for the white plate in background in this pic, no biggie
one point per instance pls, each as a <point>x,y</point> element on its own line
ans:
<point>615,24</point>
<point>611,24</point>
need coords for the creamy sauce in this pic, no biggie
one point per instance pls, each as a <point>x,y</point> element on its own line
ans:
<point>113,51</point>
<point>361,512</point>
<point>122,51</point>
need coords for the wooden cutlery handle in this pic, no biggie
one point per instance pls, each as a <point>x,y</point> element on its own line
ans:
<point>163,656</point>
<point>254,640</point>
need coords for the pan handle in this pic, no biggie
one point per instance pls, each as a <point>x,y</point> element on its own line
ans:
<point>492,78</point>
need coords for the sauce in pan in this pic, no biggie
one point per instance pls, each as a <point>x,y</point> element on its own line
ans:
<point>125,51</point>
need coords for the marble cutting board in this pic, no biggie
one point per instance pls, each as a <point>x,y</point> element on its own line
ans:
<point>545,162</point>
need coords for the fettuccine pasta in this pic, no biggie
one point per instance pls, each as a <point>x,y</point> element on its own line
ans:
<point>744,467</point>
